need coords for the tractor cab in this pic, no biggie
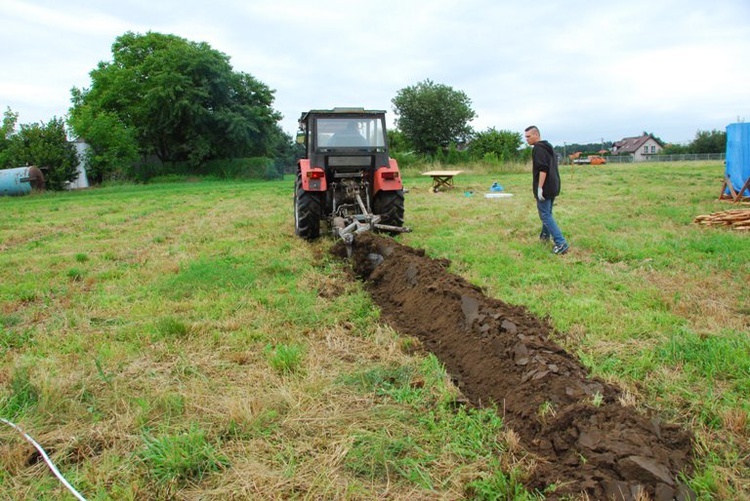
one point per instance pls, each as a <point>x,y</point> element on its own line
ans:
<point>345,139</point>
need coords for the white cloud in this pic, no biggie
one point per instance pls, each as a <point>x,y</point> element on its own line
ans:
<point>580,70</point>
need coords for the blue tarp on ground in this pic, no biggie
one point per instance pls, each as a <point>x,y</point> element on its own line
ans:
<point>738,156</point>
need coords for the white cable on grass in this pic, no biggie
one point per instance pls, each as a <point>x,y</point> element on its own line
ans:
<point>46,459</point>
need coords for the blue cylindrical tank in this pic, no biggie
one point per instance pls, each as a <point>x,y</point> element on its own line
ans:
<point>738,155</point>
<point>20,181</point>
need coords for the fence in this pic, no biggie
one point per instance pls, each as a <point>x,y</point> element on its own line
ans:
<point>686,157</point>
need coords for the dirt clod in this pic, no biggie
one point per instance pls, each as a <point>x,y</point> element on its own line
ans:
<point>499,354</point>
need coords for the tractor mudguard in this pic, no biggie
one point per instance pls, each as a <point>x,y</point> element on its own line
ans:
<point>387,178</point>
<point>313,178</point>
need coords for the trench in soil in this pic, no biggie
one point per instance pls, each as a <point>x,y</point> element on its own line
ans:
<point>501,355</point>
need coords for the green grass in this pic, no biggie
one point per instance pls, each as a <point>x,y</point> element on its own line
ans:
<point>176,340</point>
<point>429,428</point>
<point>182,457</point>
<point>21,395</point>
<point>285,359</point>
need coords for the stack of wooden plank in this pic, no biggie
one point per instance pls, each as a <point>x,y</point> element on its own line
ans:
<point>737,219</point>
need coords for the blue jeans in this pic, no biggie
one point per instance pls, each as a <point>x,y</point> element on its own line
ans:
<point>549,226</point>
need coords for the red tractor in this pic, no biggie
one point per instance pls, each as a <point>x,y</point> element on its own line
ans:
<point>347,178</point>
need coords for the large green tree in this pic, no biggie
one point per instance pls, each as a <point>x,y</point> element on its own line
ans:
<point>432,116</point>
<point>113,147</point>
<point>504,145</point>
<point>178,100</point>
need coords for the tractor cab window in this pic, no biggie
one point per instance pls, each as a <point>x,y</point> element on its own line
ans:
<point>350,133</point>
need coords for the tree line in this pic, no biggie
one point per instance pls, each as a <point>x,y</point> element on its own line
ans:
<point>433,123</point>
<point>164,104</point>
<point>714,141</point>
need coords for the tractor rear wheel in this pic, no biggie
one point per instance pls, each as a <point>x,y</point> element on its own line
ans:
<point>390,206</point>
<point>308,211</point>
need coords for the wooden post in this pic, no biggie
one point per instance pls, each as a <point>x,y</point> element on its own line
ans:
<point>734,196</point>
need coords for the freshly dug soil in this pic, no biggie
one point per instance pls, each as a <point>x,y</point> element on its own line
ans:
<point>501,355</point>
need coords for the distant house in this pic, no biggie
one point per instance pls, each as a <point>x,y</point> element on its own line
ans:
<point>640,147</point>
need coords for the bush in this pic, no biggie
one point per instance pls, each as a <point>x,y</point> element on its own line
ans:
<point>243,168</point>
<point>234,168</point>
<point>42,145</point>
<point>407,159</point>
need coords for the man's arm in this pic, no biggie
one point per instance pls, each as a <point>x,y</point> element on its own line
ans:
<point>539,188</point>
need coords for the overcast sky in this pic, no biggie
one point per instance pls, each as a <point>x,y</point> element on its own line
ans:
<point>582,71</point>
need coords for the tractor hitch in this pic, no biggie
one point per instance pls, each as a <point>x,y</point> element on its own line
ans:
<point>347,227</point>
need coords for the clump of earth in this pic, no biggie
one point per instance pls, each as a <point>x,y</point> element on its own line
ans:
<point>501,355</point>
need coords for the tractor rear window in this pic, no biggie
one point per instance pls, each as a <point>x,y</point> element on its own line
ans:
<point>350,132</point>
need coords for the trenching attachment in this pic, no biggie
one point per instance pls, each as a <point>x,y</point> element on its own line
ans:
<point>349,244</point>
<point>392,229</point>
<point>346,228</point>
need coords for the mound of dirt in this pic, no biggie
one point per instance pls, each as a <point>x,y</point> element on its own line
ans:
<point>585,439</point>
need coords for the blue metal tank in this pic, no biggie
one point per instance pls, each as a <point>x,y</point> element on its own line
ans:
<point>20,181</point>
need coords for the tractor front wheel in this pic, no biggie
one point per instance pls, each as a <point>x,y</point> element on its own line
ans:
<point>390,206</point>
<point>308,211</point>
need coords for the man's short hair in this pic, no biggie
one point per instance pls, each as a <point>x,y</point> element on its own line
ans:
<point>532,127</point>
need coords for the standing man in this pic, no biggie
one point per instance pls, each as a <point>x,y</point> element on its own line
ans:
<point>546,186</point>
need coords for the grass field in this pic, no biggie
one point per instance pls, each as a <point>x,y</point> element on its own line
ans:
<point>176,341</point>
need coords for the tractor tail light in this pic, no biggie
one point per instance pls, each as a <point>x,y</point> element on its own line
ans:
<point>315,174</point>
<point>389,174</point>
